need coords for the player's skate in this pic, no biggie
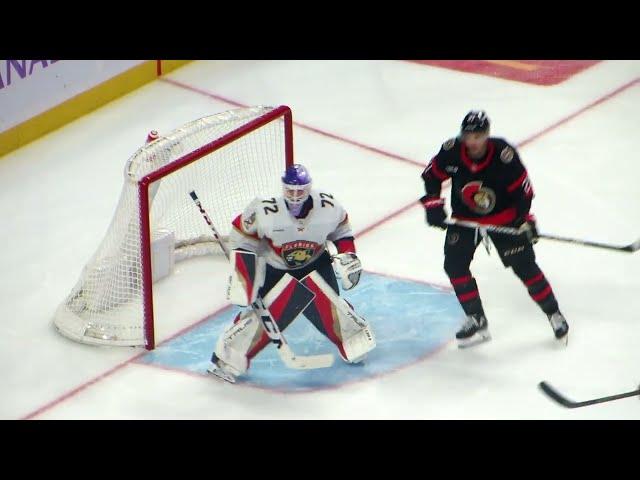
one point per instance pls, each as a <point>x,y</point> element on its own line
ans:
<point>560,327</point>
<point>475,330</point>
<point>217,369</point>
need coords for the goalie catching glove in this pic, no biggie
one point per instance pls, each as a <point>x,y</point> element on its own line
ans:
<point>348,267</point>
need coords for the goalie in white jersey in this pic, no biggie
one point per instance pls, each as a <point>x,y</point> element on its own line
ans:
<point>279,252</point>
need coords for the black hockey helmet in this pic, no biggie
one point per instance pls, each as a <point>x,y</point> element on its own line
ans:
<point>475,121</point>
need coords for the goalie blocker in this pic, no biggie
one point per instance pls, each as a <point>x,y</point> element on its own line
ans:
<point>310,294</point>
<point>246,278</point>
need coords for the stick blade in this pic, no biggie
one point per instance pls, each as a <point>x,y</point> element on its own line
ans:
<point>308,363</point>
<point>635,246</point>
<point>554,395</point>
<point>298,362</point>
<point>314,361</point>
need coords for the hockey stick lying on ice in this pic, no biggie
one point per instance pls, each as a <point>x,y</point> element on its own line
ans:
<point>270,326</point>
<point>514,231</point>
<point>554,395</point>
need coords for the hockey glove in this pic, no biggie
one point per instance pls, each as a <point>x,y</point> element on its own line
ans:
<point>434,208</point>
<point>348,268</point>
<point>528,227</point>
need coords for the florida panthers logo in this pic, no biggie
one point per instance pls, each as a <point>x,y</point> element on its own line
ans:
<point>298,253</point>
<point>478,198</point>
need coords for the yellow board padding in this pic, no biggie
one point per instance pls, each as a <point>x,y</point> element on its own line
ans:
<point>83,103</point>
<point>170,65</point>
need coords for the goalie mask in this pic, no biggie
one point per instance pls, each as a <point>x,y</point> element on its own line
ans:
<point>296,186</point>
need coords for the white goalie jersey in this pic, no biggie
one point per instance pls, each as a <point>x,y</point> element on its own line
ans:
<point>267,228</point>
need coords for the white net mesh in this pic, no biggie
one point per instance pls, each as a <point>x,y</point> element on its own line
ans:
<point>106,305</point>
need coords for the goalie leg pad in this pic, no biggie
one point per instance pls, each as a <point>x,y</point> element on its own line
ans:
<point>339,322</point>
<point>284,302</point>
<point>234,344</point>
<point>246,337</point>
<point>247,276</point>
<point>287,299</point>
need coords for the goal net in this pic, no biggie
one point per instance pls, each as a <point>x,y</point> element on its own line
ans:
<point>228,159</point>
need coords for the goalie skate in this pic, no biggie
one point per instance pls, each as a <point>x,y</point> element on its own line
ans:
<point>216,368</point>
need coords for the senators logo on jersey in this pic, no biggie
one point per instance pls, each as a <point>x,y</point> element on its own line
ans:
<point>298,253</point>
<point>478,198</point>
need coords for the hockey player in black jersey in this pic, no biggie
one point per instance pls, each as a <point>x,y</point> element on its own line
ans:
<point>489,185</point>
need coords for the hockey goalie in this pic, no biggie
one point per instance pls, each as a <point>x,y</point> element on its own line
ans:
<point>279,254</point>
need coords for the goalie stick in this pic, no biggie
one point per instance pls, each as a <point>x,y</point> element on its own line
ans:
<point>289,358</point>
<point>554,395</point>
<point>632,247</point>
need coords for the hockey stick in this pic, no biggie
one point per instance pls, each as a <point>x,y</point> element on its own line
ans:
<point>554,395</point>
<point>289,358</point>
<point>635,246</point>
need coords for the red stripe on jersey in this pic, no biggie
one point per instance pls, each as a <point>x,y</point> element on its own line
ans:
<point>533,280</point>
<point>276,249</point>
<point>473,166</point>
<point>543,294</point>
<point>237,222</point>
<point>463,297</point>
<point>459,280</point>
<point>505,217</point>
<point>518,182</point>
<point>345,245</point>
<point>439,174</point>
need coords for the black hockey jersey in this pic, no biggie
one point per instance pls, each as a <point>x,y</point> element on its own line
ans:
<point>492,190</point>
